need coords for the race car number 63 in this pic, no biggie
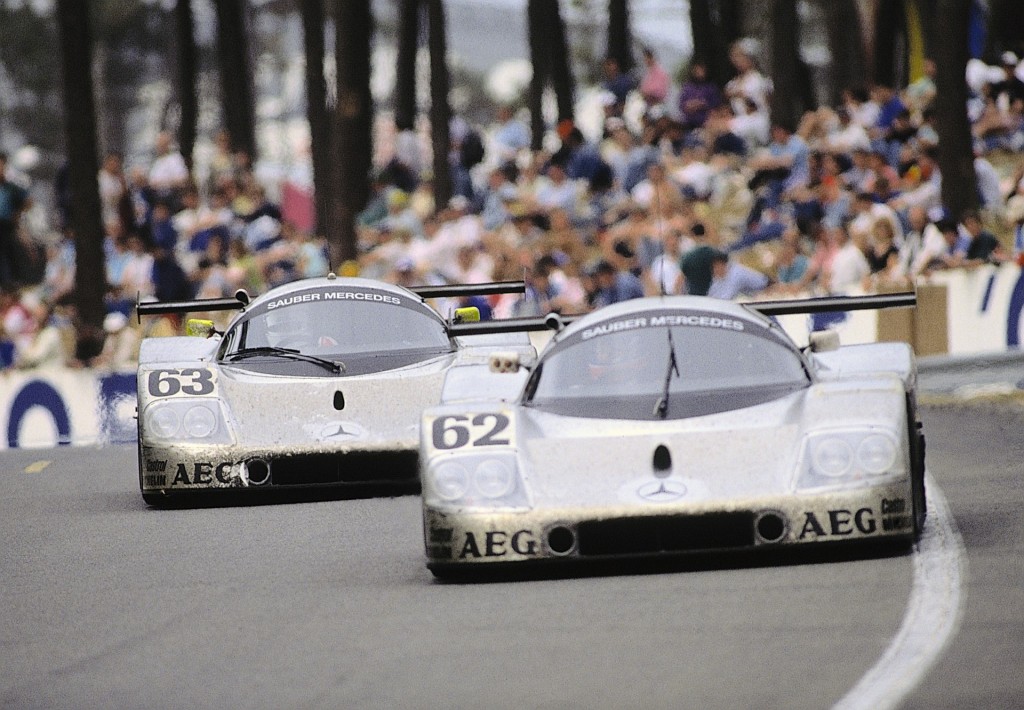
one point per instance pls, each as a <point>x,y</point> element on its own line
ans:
<point>164,383</point>
<point>455,431</point>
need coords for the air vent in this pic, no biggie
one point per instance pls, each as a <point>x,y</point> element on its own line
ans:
<point>662,460</point>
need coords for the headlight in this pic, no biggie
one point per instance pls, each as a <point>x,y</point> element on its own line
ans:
<point>186,420</point>
<point>451,480</point>
<point>849,456</point>
<point>876,454</point>
<point>832,457</point>
<point>493,478</point>
<point>476,479</point>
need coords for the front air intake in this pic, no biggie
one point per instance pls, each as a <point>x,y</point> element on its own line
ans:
<point>653,534</point>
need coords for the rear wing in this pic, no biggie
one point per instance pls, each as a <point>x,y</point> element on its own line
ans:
<point>834,304</point>
<point>825,304</point>
<point>241,298</point>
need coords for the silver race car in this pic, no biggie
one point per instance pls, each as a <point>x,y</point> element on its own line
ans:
<point>672,425</point>
<point>321,382</point>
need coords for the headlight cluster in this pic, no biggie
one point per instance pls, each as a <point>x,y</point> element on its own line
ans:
<point>487,480</point>
<point>838,457</point>
<point>186,419</point>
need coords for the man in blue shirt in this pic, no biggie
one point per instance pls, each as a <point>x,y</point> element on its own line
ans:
<point>614,285</point>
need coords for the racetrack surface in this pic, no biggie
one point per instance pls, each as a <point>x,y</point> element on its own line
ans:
<point>107,603</point>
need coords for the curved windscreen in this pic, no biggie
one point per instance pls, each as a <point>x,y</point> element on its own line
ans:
<point>666,365</point>
<point>364,329</point>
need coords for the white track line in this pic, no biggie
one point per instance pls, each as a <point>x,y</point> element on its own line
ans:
<point>932,616</point>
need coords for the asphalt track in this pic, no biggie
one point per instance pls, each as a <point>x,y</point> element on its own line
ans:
<point>109,604</point>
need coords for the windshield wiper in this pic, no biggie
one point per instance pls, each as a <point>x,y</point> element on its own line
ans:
<point>288,353</point>
<point>661,406</point>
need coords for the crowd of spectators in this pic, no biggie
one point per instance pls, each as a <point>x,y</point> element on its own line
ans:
<point>688,188</point>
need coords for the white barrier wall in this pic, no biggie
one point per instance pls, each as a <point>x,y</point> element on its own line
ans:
<point>58,407</point>
<point>969,312</point>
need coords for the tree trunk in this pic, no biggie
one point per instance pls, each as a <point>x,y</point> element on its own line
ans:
<point>405,73</point>
<point>83,164</point>
<point>318,117</point>
<point>706,42</point>
<point>186,46</point>
<point>1006,27</point>
<point>235,75</point>
<point>787,99</point>
<point>956,155</point>
<point>440,110</point>
<point>842,19</point>
<point>889,60</point>
<point>620,38</point>
<point>561,71</point>
<point>354,122</point>
<point>539,36</point>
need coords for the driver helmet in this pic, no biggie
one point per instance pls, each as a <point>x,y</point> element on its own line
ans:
<point>285,329</point>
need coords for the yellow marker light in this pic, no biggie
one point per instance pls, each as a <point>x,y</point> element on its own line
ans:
<point>199,328</point>
<point>470,314</point>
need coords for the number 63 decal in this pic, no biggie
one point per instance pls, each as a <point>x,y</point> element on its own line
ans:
<point>165,383</point>
<point>455,431</point>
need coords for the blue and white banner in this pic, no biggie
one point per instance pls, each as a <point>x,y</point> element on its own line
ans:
<point>58,407</point>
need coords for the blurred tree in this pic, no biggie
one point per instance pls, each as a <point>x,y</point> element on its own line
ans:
<point>73,23</point>
<point>620,36</point>
<point>405,72</point>
<point>538,33</point>
<point>187,97</point>
<point>561,72</point>
<point>842,19</point>
<point>889,44</point>
<point>28,66</point>
<point>712,35</point>
<point>956,155</point>
<point>236,74</point>
<point>353,121</point>
<point>440,109</point>
<point>1006,27</point>
<point>324,179</point>
<point>793,93</point>
<point>550,59</point>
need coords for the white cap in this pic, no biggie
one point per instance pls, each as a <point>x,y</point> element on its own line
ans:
<point>114,322</point>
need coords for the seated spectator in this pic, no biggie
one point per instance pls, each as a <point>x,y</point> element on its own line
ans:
<point>731,279</point>
<point>120,346</point>
<point>614,285</point>
<point>790,261</point>
<point>697,96</point>
<point>984,247</point>
<point>46,346</point>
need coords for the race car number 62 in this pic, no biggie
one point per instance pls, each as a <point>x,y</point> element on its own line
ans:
<point>454,431</point>
<point>164,383</point>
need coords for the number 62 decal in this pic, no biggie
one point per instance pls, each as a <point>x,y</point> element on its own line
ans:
<point>166,383</point>
<point>454,431</point>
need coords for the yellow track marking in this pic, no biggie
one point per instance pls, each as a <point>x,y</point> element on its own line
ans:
<point>37,466</point>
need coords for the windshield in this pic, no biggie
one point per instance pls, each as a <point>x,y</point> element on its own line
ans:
<point>665,365</point>
<point>374,331</point>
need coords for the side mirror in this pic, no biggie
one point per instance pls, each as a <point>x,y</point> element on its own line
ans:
<point>469,314</point>
<point>823,341</point>
<point>504,362</point>
<point>199,328</point>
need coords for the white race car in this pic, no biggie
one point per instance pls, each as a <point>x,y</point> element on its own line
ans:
<point>678,424</point>
<point>316,383</point>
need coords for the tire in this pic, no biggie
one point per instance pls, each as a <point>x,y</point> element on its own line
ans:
<point>915,432</point>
